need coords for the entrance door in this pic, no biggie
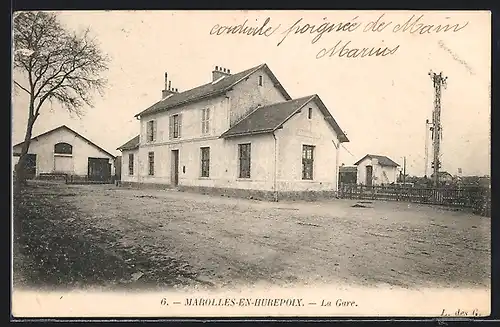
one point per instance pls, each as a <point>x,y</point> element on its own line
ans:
<point>99,169</point>
<point>369,175</point>
<point>30,165</point>
<point>175,167</point>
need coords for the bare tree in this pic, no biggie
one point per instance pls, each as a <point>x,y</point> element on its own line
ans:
<point>56,65</point>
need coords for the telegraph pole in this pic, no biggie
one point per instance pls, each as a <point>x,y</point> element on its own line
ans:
<point>426,156</point>
<point>439,81</point>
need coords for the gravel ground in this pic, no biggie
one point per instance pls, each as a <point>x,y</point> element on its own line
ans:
<point>74,236</point>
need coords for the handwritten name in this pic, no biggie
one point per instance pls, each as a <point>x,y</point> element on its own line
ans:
<point>344,51</point>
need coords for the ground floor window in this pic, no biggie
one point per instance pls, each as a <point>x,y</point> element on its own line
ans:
<point>244,152</point>
<point>307,161</point>
<point>151,163</point>
<point>131,164</point>
<point>205,162</point>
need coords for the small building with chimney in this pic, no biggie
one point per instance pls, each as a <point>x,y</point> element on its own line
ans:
<point>239,134</point>
<point>375,169</point>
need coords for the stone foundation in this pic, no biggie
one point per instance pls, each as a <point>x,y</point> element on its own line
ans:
<point>238,193</point>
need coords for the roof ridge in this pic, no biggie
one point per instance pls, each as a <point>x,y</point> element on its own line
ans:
<point>248,71</point>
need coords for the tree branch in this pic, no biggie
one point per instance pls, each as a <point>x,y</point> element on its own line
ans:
<point>22,87</point>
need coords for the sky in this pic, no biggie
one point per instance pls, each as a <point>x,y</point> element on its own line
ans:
<point>381,102</point>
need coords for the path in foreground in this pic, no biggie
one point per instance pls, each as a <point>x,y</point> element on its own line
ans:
<point>103,235</point>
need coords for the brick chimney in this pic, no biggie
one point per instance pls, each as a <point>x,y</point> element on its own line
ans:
<point>219,72</point>
<point>168,88</point>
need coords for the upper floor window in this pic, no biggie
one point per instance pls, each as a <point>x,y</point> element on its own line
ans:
<point>151,130</point>
<point>310,113</point>
<point>175,126</point>
<point>205,121</point>
<point>63,148</point>
<point>260,80</point>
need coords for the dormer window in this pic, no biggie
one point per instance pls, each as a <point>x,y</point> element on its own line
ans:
<point>260,80</point>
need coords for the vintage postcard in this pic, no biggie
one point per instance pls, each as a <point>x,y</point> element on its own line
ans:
<point>251,164</point>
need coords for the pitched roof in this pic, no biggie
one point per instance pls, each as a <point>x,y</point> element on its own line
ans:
<point>130,145</point>
<point>382,160</point>
<point>209,90</point>
<point>269,118</point>
<point>72,131</point>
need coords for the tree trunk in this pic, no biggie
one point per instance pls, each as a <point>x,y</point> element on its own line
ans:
<point>20,167</point>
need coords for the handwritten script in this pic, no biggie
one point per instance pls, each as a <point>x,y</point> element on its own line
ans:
<point>412,24</point>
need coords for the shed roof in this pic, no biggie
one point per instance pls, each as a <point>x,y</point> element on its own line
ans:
<point>382,160</point>
<point>70,130</point>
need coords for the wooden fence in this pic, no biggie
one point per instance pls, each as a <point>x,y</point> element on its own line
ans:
<point>476,198</point>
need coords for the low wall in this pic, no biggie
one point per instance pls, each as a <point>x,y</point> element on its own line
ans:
<point>238,193</point>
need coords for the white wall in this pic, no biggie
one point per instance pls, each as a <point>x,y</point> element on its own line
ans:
<point>224,165</point>
<point>247,95</point>
<point>126,177</point>
<point>299,131</point>
<point>44,149</point>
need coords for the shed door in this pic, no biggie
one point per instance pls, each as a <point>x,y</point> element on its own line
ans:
<point>99,169</point>
<point>369,175</point>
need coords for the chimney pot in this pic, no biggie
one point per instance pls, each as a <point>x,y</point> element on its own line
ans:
<point>169,84</point>
<point>219,72</point>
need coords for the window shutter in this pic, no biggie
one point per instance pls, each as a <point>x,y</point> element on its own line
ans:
<point>208,120</point>
<point>154,130</point>
<point>171,127</point>
<point>180,125</point>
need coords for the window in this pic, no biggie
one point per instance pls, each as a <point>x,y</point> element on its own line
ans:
<point>244,159</point>
<point>310,113</point>
<point>260,80</point>
<point>175,126</point>
<point>205,162</point>
<point>205,121</point>
<point>307,161</point>
<point>63,148</point>
<point>131,164</point>
<point>151,131</point>
<point>151,162</point>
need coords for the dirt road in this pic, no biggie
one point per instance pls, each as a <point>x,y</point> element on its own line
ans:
<point>173,238</point>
